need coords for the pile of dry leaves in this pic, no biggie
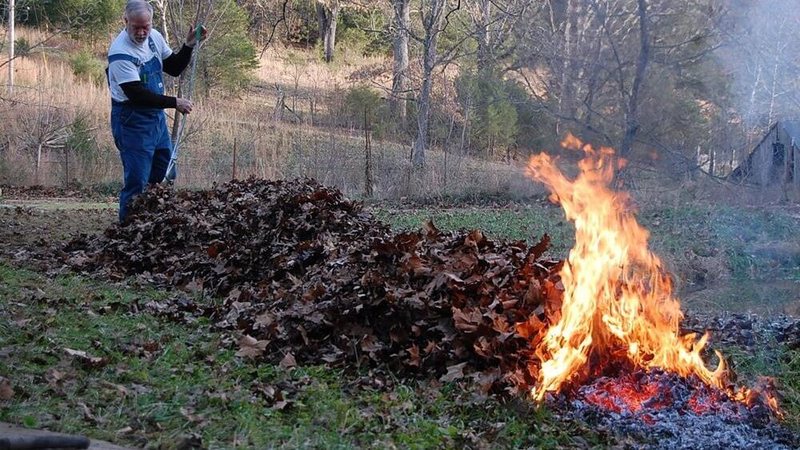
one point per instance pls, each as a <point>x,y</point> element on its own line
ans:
<point>302,275</point>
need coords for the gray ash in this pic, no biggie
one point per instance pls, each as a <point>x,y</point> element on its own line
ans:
<point>658,410</point>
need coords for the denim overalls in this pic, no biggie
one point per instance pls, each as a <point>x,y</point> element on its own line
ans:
<point>141,134</point>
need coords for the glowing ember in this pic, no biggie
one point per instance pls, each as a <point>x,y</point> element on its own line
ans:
<point>618,306</point>
<point>616,395</point>
<point>654,391</point>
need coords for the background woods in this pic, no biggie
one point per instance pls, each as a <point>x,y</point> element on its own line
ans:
<point>456,92</point>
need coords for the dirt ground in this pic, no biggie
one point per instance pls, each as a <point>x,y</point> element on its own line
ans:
<point>32,223</point>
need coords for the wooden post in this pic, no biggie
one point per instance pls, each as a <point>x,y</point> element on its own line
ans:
<point>368,159</point>
<point>66,167</point>
<point>234,160</point>
<point>11,47</point>
<point>38,162</point>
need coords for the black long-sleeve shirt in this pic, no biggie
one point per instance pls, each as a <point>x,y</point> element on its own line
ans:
<point>139,95</point>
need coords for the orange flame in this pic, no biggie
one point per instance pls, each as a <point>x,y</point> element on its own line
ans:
<point>617,296</point>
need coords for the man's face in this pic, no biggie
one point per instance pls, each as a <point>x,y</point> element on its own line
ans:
<point>138,27</point>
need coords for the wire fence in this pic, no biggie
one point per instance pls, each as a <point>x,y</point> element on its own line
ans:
<point>386,176</point>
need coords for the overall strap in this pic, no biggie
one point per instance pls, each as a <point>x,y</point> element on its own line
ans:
<point>123,57</point>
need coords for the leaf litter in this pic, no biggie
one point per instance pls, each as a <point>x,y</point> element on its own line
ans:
<point>305,276</point>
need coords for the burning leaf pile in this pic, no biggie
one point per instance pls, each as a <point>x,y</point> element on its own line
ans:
<point>308,275</point>
<point>618,310</point>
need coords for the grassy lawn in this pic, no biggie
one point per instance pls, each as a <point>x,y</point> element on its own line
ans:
<point>143,380</point>
<point>729,244</point>
<point>146,381</point>
<point>524,223</point>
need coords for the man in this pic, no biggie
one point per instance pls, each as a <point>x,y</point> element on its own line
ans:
<point>136,60</point>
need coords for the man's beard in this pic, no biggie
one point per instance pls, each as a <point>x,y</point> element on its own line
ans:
<point>137,40</point>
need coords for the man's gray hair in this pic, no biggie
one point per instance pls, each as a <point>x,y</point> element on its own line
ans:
<point>138,7</point>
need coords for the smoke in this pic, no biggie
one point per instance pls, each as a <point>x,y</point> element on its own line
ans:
<point>762,58</point>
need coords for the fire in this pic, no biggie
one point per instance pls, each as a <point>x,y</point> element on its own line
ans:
<point>618,303</point>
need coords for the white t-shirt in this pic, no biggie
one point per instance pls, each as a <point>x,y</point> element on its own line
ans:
<point>125,71</point>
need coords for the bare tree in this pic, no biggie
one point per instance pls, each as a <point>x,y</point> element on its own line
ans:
<point>494,23</point>
<point>47,128</point>
<point>434,15</point>
<point>762,59</point>
<point>161,6</point>
<point>622,73</point>
<point>206,13</point>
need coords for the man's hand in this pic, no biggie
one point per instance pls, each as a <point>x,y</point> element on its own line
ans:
<point>183,105</point>
<point>191,38</point>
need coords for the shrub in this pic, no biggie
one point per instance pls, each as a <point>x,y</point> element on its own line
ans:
<point>361,101</point>
<point>82,146</point>
<point>90,18</point>
<point>22,47</point>
<point>301,23</point>
<point>87,68</point>
<point>495,126</point>
<point>353,32</point>
<point>229,58</point>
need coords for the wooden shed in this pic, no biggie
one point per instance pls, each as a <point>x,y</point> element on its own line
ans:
<point>775,160</point>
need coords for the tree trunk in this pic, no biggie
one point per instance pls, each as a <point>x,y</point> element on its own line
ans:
<point>432,23</point>
<point>162,6</point>
<point>367,155</point>
<point>38,161</point>
<point>66,166</point>
<point>780,60</point>
<point>565,96</point>
<point>327,16</point>
<point>631,113</point>
<point>402,19</point>
<point>424,103</point>
<point>482,20</point>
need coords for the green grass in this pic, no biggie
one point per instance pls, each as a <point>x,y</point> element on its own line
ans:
<point>522,223</point>
<point>775,361</point>
<point>737,236</point>
<point>163,383</point>
<point>676,234</point>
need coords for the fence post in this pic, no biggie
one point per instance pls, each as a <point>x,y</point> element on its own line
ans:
<point>234,160</point>
<point>368,159</point>
<point>66,167</point>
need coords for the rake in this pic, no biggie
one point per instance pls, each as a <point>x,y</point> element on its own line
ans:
<point>173,159</point>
